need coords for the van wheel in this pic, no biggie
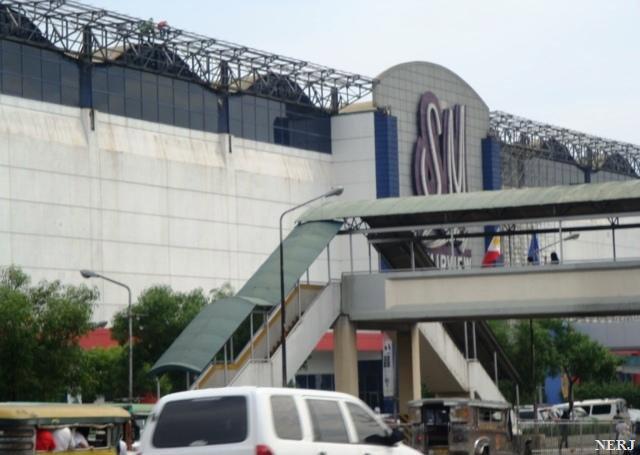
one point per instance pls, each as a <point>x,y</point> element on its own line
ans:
<point>485,451</point>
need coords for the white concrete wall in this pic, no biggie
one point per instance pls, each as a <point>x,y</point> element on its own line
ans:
<point>144,203</point>
<point>482,384</point>
<point>444,368</point>
<point>354,168</point>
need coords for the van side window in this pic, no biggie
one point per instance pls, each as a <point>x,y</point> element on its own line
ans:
<point>368,430</point>
<point>286,419</point>
<point>586,408</point>
<point>327,421</point>
<point>600,409</point>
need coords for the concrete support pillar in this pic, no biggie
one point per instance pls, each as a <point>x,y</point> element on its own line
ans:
<point>345,356</point>
<point>409,381</point>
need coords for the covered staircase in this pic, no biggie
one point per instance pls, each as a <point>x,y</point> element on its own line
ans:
<point>310,312</point>
<point>236,341</point>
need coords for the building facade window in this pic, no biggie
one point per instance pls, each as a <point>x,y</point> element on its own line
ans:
<point>279,122</point>
<point>38,74</point>
<point>147,96</point>
<point>44,75</point>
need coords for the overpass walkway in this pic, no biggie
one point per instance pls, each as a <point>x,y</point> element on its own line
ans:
<point>421,304</point>
<point>582,289</point>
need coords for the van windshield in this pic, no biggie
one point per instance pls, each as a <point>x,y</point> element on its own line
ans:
<point>201,422</point>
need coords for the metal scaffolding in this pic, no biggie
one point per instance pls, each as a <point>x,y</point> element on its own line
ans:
<point>101,36</point>
<point>531,153</point>
<point>525,139</point>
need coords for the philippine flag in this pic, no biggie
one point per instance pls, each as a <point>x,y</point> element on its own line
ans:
<point>492,256</point>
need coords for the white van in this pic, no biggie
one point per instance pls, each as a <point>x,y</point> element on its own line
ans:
<point>600,409</point>
<point>605,409</point>
<point>266,421</point>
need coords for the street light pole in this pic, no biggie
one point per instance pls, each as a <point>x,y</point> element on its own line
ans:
<point>92,274</point>
<point>532,352</point>
<point>283,342</point>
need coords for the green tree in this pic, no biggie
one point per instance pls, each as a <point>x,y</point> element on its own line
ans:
<point>39,330</point>
<point>104,374</point>
<point>159,316</point>
<point>515,338</point>
<point>579,357</point>
<point>558,348</point>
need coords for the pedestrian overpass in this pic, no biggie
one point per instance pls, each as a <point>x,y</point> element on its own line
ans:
<point>425,307</point>
<point>570,290</point>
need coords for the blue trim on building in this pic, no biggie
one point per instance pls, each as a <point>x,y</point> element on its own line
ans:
<point>491,172</point>
<point>386,154</point>
<point>491,175</point>
<point>386,149</point>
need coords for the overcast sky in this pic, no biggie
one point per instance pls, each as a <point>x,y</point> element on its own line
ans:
<point>573,63</point>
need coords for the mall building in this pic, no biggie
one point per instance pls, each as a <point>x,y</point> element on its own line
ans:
<point>157,156</point>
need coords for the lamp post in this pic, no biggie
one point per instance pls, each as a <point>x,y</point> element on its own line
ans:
<point>283,342</point>
<point>532,353</point>
<point>92,274</point>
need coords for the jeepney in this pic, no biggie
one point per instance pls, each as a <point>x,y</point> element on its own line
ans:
<point>20,422</point>
<point>457,426</point>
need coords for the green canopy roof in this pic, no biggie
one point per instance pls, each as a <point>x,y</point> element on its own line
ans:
<point>213,326</point>
<point>301,247</point>
<point>487,206</point>
<point>204,336</point>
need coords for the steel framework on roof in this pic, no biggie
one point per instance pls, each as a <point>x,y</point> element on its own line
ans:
<point>105,36</point>
<point>591,153</point>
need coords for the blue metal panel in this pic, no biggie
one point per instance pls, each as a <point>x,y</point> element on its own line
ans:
<point>491,172</point>
<point>553,389</point>
<point>386,149</point>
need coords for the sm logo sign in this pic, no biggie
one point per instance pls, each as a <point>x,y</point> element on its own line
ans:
<point>440,156</point>
<point>440,167</point>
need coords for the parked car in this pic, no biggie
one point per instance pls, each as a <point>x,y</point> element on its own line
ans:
<point>266,421</point>
<point>600,409</point>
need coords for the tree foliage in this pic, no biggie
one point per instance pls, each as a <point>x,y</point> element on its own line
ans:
<point>104,374</point>
<point>158,317</point>
<point>579,357</point>
<point>39,330</point>
<point>558,349</point>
